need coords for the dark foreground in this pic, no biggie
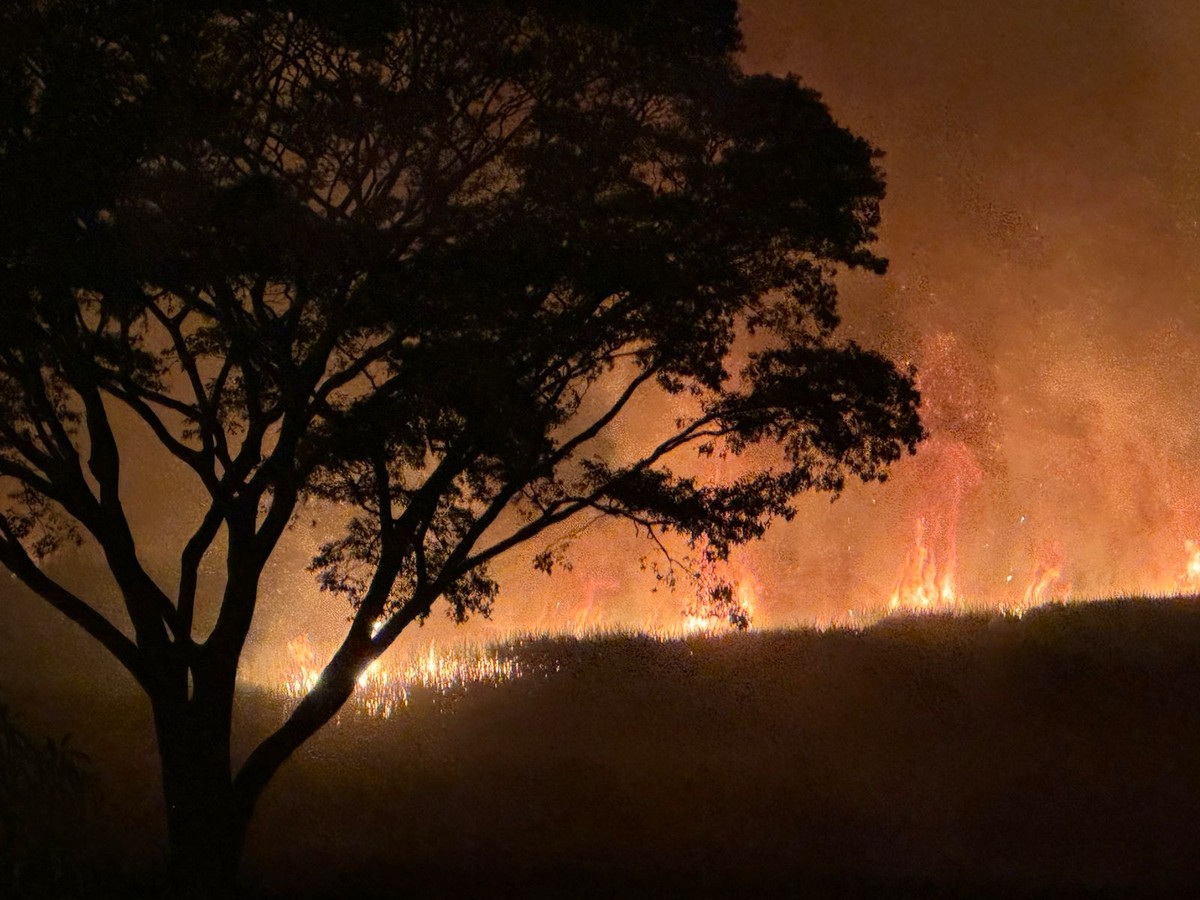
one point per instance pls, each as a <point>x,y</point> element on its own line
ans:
<point>1053,755</point>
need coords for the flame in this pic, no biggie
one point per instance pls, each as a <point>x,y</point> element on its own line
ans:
<point>589,612</point>
<point>303,672</point>
<point>747,594</point>
<point>925,581</point>
<point>1190,579</point>
<point>1047,583</point>
<point>698,621</point>
<point>384,690</point>
<point>726,593</point>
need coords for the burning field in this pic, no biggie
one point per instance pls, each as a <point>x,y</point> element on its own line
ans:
<point>926,584</point>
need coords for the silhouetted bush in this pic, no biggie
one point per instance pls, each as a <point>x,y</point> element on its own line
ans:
<point>45,800</point>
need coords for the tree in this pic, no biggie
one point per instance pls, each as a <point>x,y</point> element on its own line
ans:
<point>376,254</point>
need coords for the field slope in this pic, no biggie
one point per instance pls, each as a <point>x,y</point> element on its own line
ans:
<point>973,755</point>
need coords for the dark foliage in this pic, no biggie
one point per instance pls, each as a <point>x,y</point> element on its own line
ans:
<point>45,794</point>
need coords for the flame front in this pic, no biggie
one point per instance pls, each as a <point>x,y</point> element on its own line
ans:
<point>383,690</point>
<point>1190,580</point>
<point>926,581</point>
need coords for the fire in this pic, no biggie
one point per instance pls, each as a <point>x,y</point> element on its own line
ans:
<point>726,593</point>
<point>693,624</point>
<point>706,620</point>
<point>384,690</point>
<point>303,672</point>
<point>1191,576</point>
<point>1047,583</point>
<point>747,594</point>
<point>926,581</point>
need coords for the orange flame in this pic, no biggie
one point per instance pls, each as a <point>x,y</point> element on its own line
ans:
<point>383,690</point>
<point>747,594</point>
<point>926,581</point>
<point>720,600</point>
<point>1047,582</point>
<point>1190,579</point>
<point>303,672</point>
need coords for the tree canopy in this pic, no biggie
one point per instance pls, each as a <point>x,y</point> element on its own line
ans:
<point>382,254</point>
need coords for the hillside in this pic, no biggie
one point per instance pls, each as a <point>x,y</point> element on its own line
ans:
<point>925,756</point>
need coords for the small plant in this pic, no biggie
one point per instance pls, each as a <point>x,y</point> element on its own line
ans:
<point>45,791</point>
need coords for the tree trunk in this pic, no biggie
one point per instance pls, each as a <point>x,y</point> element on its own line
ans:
<point>206,825</point>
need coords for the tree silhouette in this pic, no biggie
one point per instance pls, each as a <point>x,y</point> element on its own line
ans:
<point>377,253</point>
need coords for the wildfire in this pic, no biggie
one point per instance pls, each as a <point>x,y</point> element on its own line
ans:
<point>693,624</point>
<point>303,672</point>
<point>705,619</point>
<point>1190,580</point>
<point>925,581</point>
<point>384,690</point>
<point>1047,583</point>
<point>747,595</point>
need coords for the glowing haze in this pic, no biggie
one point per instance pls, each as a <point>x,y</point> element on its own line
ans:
<point>1043,227</point>
<point>1042,221</point>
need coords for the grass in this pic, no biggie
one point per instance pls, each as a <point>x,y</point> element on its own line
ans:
<point>1052,753</point>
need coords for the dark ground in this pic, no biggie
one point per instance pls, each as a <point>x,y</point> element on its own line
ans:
<point>1053,755</point>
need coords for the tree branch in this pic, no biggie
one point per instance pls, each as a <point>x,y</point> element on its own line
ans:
<point>17,561</point>
<point>189,567</point>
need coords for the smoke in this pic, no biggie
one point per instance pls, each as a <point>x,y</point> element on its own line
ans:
<point>1042,220</point>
